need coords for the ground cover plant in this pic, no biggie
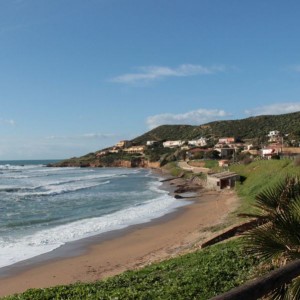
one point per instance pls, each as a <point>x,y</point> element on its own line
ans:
<point>260,175</point>
<point>199,275</point>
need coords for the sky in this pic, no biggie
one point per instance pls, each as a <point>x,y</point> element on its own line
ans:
<point>77,76</point>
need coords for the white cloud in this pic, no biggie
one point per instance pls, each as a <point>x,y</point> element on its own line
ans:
<point>274,109</point>
<point>98,135</point>
<point>150,73</point>
<point>7,121</point>
<point>82,136</point>
<point>196,117</point>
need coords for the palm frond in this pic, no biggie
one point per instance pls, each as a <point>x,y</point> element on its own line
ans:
<point>278,238</point>
<point>278,197</point>
<point>280,293</point>
<point>265,243</point>
<point>294,289</point>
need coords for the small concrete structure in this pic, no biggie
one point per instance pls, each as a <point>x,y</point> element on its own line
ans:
<point>219,181</point>
<point>225,152</point>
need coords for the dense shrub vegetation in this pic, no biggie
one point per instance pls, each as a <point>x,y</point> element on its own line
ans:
<point>250,128</point>
<point>254,130</point>
<point>199,275</point>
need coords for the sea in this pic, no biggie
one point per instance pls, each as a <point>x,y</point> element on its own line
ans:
<point>43,208</point>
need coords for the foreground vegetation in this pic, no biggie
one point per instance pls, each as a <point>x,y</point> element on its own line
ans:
<point>199,275</point>
<point>276,241</point>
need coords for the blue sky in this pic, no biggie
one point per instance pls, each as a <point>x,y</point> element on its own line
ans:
<point>77,75</point>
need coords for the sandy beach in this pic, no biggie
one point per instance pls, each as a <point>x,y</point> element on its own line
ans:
<point>132,248</point>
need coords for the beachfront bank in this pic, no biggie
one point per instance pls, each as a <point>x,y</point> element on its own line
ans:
<point>132,248</point>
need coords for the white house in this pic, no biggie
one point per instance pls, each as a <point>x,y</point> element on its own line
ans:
<point>273,133</point>
<point>274,136</point>
<point>151,143</point>
<point>173,144</point>
<point>268,152</point>
<point>198,143</point>
<point>226,140</point>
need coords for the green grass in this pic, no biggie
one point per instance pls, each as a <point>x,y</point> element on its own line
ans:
<point>175,171</point>
<point>199,275</point>
<point>211,164</point>
<point>260,175</point>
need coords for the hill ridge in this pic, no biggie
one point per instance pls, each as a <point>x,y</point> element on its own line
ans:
<point>247,128</point>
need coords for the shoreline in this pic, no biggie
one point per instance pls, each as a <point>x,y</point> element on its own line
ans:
<point>113,252</point>
<point>81,246</point>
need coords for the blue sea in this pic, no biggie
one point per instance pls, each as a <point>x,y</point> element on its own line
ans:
<point>42,208</point>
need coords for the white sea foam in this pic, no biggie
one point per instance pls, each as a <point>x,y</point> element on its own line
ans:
<point>9,167</point>
<point>29,195</point>
<point>25,247</point>
<point>61,189</point>
<point>58,186</point>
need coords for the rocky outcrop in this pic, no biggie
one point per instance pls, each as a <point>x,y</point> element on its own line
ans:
<point>134,163</point>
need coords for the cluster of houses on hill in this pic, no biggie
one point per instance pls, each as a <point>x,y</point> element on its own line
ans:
<point>227,147</point>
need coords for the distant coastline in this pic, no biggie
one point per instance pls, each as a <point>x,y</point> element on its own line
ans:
<point>20,162</point>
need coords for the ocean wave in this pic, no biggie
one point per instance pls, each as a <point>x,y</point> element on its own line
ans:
<point>13,250</point>
<point>49,185</point>
<point>30,203</point>
<point>9,167</point>
<point>24,223</point>
<point>15,189</point>
<point>56,169</point>
<point>61,189</point>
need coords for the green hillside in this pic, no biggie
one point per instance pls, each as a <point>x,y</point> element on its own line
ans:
<point>254,129</point>
<point>250,128</point>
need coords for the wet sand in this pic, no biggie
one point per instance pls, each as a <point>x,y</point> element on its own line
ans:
<point>112,253</point>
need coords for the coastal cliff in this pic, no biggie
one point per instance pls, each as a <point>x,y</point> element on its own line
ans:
<point>97,163</point>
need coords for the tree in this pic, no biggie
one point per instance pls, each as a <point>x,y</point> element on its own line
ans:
<point>277,239</point>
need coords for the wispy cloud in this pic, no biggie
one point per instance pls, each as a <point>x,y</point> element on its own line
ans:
<point>150,73</point>
<point>274,109</point>
<point>295,68</point>
<point>7,122</point>
<point>195,117</point>
<point>98,135</point>
<point>85,136</point>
